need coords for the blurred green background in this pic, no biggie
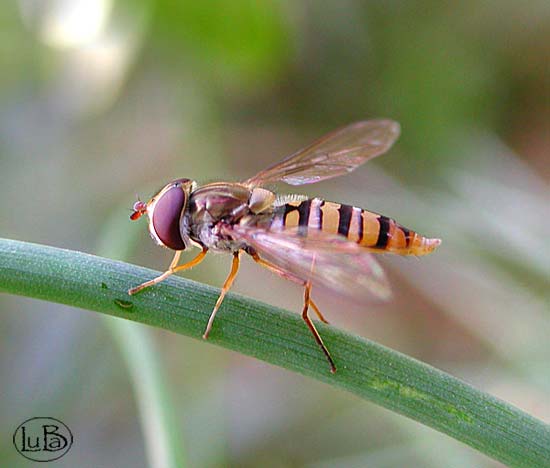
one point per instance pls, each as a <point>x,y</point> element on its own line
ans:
<point>102,99</point>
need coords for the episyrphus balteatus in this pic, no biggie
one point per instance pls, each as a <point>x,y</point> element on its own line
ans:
<point>309,241</point>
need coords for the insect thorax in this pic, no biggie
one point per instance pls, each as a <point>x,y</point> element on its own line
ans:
<point>214,208</point>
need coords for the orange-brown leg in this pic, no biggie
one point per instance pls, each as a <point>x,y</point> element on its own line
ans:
<point>318,312</point>
<point>226,287</point>
<point>171,270</point>
<point>275,269</point>
<point>309,323</point>
<point>307,302</point>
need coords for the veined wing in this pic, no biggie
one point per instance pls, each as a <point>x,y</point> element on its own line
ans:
<point>333,155</point>
<point>327,260</point>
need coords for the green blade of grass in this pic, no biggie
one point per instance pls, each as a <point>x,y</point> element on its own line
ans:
<point>366,369</point>
<point>162,436</point>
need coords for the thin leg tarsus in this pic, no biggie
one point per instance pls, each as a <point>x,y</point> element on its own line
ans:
<point>171,270</point>
<point>226,287</point>
<point>315,333</point>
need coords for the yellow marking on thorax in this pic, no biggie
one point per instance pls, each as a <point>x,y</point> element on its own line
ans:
<point>260,200</point>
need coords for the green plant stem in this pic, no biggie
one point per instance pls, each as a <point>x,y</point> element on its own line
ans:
<point>162,436</point>
<point>366,369</point>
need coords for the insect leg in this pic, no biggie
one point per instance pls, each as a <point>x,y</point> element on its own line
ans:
<point>171,270</point>
<point>318,312</point>
<point>226,287</point>
<point>309,323</point>
<point>275,269</point>
<point>307,302</point>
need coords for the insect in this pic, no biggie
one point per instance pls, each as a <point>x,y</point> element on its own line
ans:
<point>309,241</point>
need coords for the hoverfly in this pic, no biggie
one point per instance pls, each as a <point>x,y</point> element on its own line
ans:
<point>309,241</point>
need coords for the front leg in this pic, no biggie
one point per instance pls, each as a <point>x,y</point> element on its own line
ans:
<point>171,270</point>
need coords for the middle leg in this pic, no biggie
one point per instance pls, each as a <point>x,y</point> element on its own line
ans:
<point>226,287</point>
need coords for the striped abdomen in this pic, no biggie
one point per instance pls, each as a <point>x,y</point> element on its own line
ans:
<point>376,232</point>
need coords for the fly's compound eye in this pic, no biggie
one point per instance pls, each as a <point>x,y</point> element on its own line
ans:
<point>166,216</point>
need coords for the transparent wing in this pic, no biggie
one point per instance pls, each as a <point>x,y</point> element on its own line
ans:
<point>333,155</point>
<point>326,260</point>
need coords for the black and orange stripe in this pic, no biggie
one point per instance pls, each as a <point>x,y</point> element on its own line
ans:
<point>376,232</point>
